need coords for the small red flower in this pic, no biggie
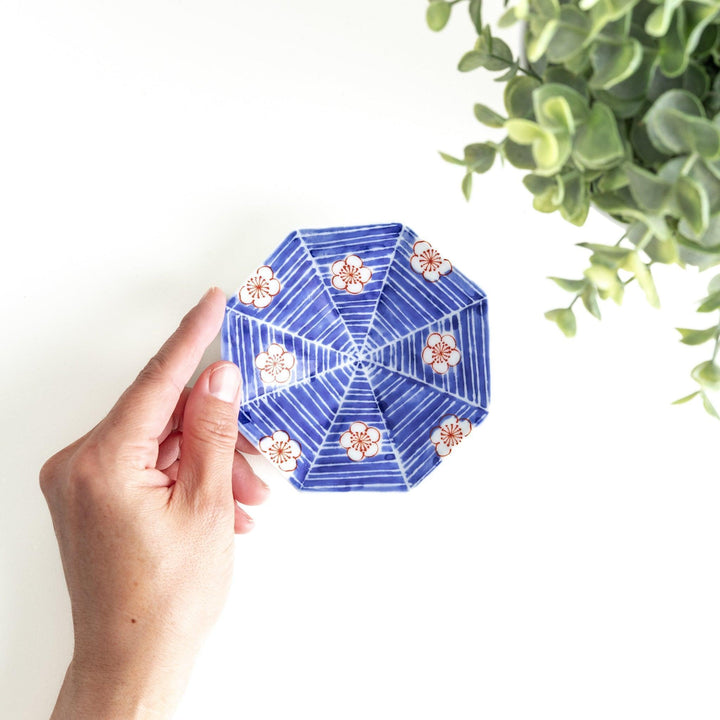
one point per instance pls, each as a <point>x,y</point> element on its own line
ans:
<point>440,352</point>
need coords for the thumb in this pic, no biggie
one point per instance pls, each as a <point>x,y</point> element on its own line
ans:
<point>209,433</point>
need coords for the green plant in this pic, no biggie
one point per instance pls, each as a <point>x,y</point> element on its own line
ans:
<point>616,104</point>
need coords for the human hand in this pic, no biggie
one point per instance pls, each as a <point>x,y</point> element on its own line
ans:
<point>144,509</point>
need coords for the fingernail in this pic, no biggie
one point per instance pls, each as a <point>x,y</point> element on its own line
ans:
<point>224,382</point>
<point>207,294</point>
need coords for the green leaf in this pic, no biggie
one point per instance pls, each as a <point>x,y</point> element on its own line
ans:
<point>519,156</point>
<point>643,276</point>
<point>451,159</point>
<point>538,45</point>
<point>709,408</point>
<point>687,398</point>
<point>649,191</point>
<point>576,200</point>
<point>548,192</point>
<point>613,62</point>
<point>589,300</point>
<point>714,285</point>
<point>479,157</point>
<point>607,282</point>
<point>658,21</point>
<point>545,148</point>
<point>559,107</point>
<point>472,60</point>
<point>697,337</point>
<point>565,320</point>
<point>692,202</point>
<point>438,14</point>
<point>707,374</point>
<point>476,14</point>
<point>501,56</point>
<point>571,33</point>
<point>467,185</point>
<point>598,145</point>
<point>712,302</point>
<point>518,97</point>
<point>672,54</point>
<point>573,286</point>
<point>488,117</point>
<point>614,253</point>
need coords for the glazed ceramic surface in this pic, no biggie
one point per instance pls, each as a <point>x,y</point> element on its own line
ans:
<point>364,357</point>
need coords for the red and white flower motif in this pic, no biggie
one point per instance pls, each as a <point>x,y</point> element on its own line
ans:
<point>259,289</point>
<point>281,450</point>
<point>361,441</point>
<point>449,433</point>
<point>440,352</point>
<point>275,364</point>
<point>428,262</point>
<point>350,274</point>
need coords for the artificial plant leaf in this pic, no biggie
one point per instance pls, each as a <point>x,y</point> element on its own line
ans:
<point>714,285</point>
<point>452,159</point>
<point>570,35</point>
<point>479,157</point>
<point>671,53</point>
<point>573,286</point>
<point>537,45</point>
<point>488,117</point>
<point>707,374</point>
<point>519,156</point>
<point>472,60</point>
<point>712,302</point>
<point>575,204</point>
<point>643,276</point>
<point>438,14</point>
<point>518,97</point>
<point>589,300</point>
<point>574,109</point>
<point>564,318</point>
<point>687,398</point>
<point>548,192</point>
<point>500,56</point>
<point>697,337</point>
<point>598,144</point>
<point>709,408</point>
<point>692,203</point>
<point>476,14</point>
<point>467,185</point>
<point>650,192</point>
<point>545,149</point>
<point>613,62</point>
<point>658,21</point>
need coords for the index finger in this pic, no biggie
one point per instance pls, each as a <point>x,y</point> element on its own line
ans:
<point>143,410</point>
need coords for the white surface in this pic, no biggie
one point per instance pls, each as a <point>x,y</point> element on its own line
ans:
<point>562,564</point>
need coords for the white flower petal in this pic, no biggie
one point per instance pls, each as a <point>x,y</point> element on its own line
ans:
<point>266,443</point>
<point>358,427</point>
<point>427,355</point>
<point>355,455</point>
<point>440,367</point>
<point>295,449</point>
<point>365,273</point>
<point>245,297</point>
<point>465,426</point>
<point>266,272</point>
<point>267,377</point>
<point>448,420</point>
<point>289,360</point>
<point>337,266</point>
<point>449,340</point>
<point>415,264</point>
<point>373,433</point>
<point>433,339</point>
<point>355,288</point>
<point>261,360</point>
<point>273,287</point>
<point>421,246</point>
<point>280,436</point>
<point>445,267</point>
<point>262,301</point>
<point>435,435</point>
<point>346,439</point>
<point>431,275</point>
<point>353,260</point>
<point>288,465</point>
<point>338,283</point>
<point>372,451</point>
<point>442,449</point>
<point>282,376</point>
<point>275,350</point>
<point>454,358</point>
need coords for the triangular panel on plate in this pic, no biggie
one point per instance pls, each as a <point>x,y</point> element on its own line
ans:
<point>285,358</point>
<point>412,411</point>
<point>354,286</point>
<point>451,354</point>
<point>333,468</point>
<point>303,412</point>
<point>412,297</point>
<point>287,292</point>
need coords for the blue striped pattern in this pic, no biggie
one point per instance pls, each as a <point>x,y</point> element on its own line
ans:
<point>469,379</point>
<point>359,357</point>
<point>303,305</point>
<point>376,247</point>
<point>409,302</point>
<point>331,469</point>
<point>253,336</point>
<point>411,411</point>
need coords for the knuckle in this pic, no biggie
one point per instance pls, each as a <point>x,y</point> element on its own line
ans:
<point>156,369</point>
<point>49,473</point>
<point>218,430</point>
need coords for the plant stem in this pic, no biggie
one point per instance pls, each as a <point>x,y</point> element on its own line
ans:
<point>717,344</point>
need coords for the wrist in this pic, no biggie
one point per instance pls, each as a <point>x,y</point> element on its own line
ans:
<point>106,692</point>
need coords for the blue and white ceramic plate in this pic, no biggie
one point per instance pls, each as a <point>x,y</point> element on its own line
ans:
<point>364,357</point>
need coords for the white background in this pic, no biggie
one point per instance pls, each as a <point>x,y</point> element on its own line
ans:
<point>563,563</point>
